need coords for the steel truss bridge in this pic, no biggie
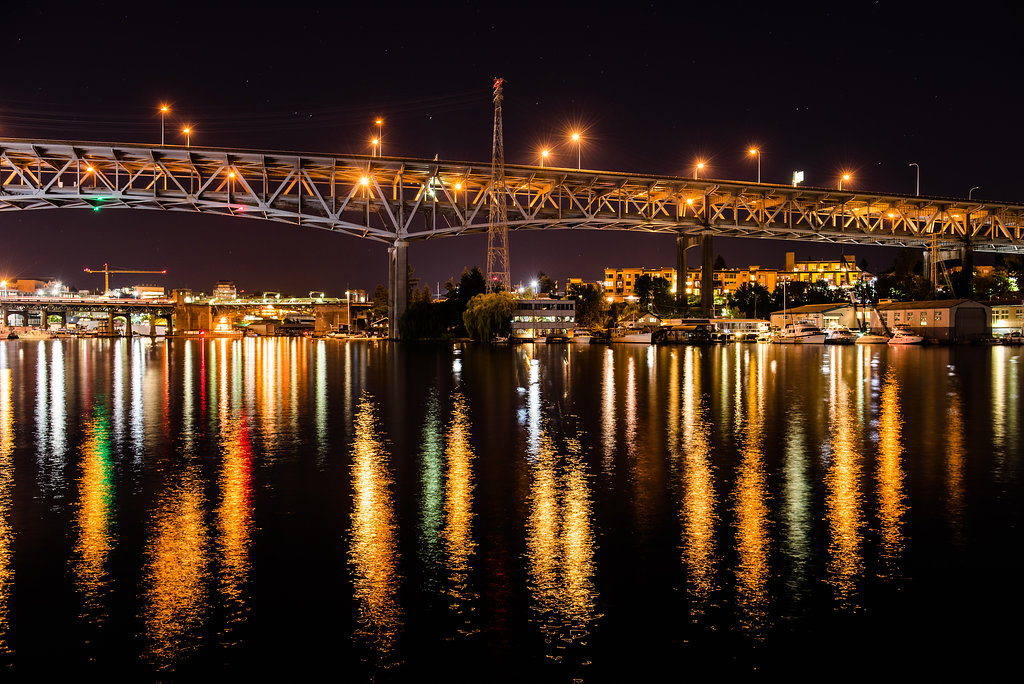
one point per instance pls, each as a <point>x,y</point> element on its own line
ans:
<point>397,201</point>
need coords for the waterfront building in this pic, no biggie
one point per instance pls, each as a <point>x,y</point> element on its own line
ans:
<point>821,315</point>
<point>1007,317</point>
<point>536,318</point>
<point>945,320</point>
<point>225,289</point>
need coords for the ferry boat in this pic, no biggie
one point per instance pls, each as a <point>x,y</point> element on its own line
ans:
<point>801,332</point>
<point>840,334</point>
<point>902,334</point>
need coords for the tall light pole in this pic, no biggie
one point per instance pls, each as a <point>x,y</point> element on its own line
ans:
<point>753,151</point>
<point>969,194</point>
<point>844,177</point>
<point>917,185</point>
<point>380,136</point>
<point>698,168</point>
<point>543,155</point>
<point>374,149</point>
<point>163,113</point>
<point>576,138</point>
<point>188,136</point>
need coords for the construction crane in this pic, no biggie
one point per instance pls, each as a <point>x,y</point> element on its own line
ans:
<point>106,271</point>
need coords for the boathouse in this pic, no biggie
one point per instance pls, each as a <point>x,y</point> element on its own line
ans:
<point>949,321</point>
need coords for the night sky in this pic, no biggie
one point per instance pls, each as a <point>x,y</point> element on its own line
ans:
<point>822,87</point>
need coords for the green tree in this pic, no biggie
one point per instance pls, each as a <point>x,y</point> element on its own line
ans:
<point>546,285</point>
<point>719,264</point>
<point>380,304</point>
<point>661,294</point>
<point>591,307</point>
<point>422,320</point>
<point>751,300</point>
<point>644,289</point>
<point>488,315</point>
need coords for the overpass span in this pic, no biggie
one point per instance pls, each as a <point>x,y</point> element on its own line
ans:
<point>397,200</point>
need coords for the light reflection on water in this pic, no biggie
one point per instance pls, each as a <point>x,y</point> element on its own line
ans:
<point>6,484</point>
<point>95,518</point>
<point>373,549</point>
<point>501,498</point>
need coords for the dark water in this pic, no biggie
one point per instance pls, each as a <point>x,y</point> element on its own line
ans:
<point>362,510</point>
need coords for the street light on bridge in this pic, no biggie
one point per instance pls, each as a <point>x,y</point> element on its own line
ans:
<point>971,192</point>
<point>917,185</point>
<point>844,177</point>
<point>543,156</point>
<point>188,135</point>
<point>373,149</point>
<point>578,139</point>
<point>697,169</point>
<point>163,114</point>
<point>754,152</point>
<point>380,136</point>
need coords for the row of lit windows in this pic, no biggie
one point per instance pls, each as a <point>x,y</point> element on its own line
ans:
<point>911,316</point>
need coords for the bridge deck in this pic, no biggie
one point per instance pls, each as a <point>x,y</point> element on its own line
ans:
<point>389,199</point>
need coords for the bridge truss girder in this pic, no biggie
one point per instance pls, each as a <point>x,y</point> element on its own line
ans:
<point>390,199</point>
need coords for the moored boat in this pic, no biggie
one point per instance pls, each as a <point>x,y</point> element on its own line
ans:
<point>801,332</point>
<point>902,334</point>
<point>872,338</point>
<point>840,334</point>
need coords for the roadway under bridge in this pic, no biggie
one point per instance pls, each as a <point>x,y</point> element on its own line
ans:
<point>398,201</point>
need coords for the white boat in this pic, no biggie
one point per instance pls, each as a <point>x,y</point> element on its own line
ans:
<point>581,338</point>
<point>840,334</point>
<point>871,338</point>
<point>801,332</point>
<point>902,334</point>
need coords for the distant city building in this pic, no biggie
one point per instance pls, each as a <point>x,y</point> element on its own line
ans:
<point>945,320</point>
<point>535,318</point>
<point>620,283</point>
<point>35,285</point>
<point>225,289</point>
<point>841,272</point>
<point>146,291</point>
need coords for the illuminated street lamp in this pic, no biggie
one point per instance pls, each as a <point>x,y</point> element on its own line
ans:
<point>969,194</point>
<point>163,113</point>
<point>844,177</point>
<point>543,155</point>
<point>917,185</point>
<point>188,135</point>
<point>375,142</point>
<point>754,152</point>
<point>576,138</point>
<point>697,169</point>
<point>380,137</point>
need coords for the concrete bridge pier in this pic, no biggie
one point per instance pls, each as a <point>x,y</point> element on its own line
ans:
<point>398,285</point>
<point>683,243</point>
<point>707,276</point>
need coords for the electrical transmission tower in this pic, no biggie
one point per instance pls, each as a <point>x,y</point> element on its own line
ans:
<point>497,225</point>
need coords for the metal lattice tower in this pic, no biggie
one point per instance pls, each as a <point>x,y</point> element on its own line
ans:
<point>498,275</point>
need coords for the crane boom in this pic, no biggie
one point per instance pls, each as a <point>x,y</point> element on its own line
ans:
<point>106,271</point>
